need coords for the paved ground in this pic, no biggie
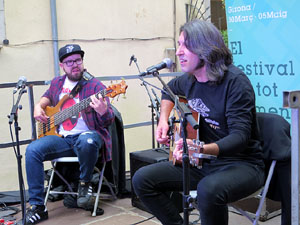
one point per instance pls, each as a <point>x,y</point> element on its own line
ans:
<point>121,212</point>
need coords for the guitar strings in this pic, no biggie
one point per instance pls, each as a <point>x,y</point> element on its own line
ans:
<point>61,116</point>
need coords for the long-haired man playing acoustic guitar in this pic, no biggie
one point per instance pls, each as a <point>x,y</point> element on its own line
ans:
<point>223,96</point>
<point>81,134</point>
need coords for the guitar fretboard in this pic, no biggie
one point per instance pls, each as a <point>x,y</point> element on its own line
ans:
<point>63,115</point>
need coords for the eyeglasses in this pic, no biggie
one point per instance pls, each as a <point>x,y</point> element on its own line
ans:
<point>71,62</point>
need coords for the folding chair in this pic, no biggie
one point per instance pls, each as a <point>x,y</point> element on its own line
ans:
<point>261,193</point>
<point>275,137</point>
<point>276,143</point>
<point>71,192</point>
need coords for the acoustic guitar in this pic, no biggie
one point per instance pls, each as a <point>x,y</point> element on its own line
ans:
<point>58,116</point>
<point>195,150</point>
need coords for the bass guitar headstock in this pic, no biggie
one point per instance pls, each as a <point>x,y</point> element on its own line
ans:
<point>116,89</point>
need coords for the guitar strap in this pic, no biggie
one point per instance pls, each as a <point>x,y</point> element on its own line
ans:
<point>86,76</point>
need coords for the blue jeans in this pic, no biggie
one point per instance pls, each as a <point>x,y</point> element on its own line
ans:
<point>217,184</point>
<point>85,146</point>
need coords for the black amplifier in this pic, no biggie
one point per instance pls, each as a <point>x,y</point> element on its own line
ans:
<point>142,158</point>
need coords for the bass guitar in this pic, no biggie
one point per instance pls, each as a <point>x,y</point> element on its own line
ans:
<point>58,116</point>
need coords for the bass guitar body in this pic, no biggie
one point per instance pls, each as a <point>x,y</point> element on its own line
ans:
<point>50,128</point>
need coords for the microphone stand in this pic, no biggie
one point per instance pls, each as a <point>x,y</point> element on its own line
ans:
<point>155,104</point>
<point>185,116</point>
<point>157,100</point>
<point>14,117</point>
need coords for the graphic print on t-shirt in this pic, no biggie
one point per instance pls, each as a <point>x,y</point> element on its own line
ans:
<point>198,105</point>
<point>75,124</point>
<point>71,122</point>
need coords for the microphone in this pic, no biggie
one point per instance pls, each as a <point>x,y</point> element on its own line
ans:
<point>21,84</point>
<point>166,63</point>
<point>132,58</point>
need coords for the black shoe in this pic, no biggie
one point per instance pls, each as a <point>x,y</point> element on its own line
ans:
<point>36,214</point>
<point>85,193</point>
<point>99,211</point>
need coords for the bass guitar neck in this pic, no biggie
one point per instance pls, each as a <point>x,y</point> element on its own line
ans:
<point>56,116</point>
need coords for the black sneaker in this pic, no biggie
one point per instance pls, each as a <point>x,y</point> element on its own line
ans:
<point>85,193</point>
<point>36,214</point>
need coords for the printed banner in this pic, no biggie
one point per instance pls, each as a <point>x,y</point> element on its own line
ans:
<point>264,37</point>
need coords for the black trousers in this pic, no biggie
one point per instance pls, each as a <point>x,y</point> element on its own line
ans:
<point>217,184</point>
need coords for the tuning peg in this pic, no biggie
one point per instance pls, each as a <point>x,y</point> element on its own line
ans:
<point>194,141</point>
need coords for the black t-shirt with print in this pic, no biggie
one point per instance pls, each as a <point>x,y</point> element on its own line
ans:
<point>227,112</point>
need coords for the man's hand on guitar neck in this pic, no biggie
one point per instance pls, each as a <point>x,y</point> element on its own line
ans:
<point>99,105</point>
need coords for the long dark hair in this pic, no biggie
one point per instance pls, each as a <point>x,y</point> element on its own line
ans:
<point>205,40</point>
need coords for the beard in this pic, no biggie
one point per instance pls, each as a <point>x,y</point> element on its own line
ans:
<point>74,76</point>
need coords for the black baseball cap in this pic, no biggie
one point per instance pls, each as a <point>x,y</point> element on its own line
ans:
<point>68,50</point>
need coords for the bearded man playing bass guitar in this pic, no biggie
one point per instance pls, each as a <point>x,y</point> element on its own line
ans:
<point>223,96</point>
<point>81,135</point>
